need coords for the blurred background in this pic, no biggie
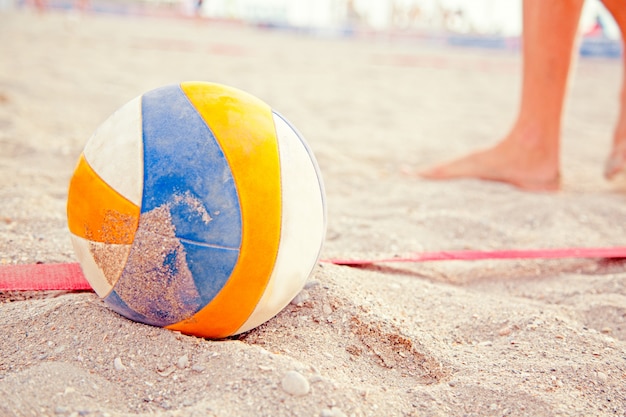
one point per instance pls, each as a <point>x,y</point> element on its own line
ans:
<point>486,18</point>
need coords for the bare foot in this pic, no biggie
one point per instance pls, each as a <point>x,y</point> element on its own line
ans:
<point>505,162</point>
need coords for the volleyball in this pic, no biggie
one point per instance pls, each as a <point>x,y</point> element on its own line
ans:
<point>198,208</point>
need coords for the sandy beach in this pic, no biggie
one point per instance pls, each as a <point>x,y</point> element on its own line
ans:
<point>477,338</point>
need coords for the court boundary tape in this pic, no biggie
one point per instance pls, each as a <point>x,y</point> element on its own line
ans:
<point>42,277</point>
<point>476,255</point>
<point>69,276</point>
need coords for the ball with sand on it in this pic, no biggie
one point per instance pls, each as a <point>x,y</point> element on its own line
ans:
<point>198,208</point>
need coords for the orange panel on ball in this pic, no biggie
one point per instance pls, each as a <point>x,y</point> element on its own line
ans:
<point>244,127</point>
<point>97,212</point>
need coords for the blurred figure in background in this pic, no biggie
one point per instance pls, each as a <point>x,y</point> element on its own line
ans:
<point>528,156</point>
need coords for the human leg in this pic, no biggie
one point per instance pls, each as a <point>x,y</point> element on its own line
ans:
<point>528,157</point>
<point>616,163</point>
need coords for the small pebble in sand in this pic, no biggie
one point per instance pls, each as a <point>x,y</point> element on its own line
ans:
<point>300,298</point>
<point>167,372</point>
<point>118,365</point>
<point>295,383</point>
<point>311,284</point>
<point>602,377</point>
<point>505,331</point>
<point>332,412</point>
<point>182,362</point>
<point>327,309</point>
<point>198,368</point>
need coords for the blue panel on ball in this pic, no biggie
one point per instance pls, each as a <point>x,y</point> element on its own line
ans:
<point>210,268</point>
<point>185,170</point>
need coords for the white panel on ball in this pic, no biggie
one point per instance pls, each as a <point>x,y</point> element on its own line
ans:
<point>115,151</point>
<point>302,228</point>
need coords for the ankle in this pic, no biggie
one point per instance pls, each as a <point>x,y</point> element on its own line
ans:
<point>534,142</point>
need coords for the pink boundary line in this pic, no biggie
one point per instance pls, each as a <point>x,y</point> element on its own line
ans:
<point>41,277</point>
<point>69,276</point>
<point>474,255</point>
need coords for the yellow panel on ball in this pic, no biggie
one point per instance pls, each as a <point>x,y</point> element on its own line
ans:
<point>231,216</point>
